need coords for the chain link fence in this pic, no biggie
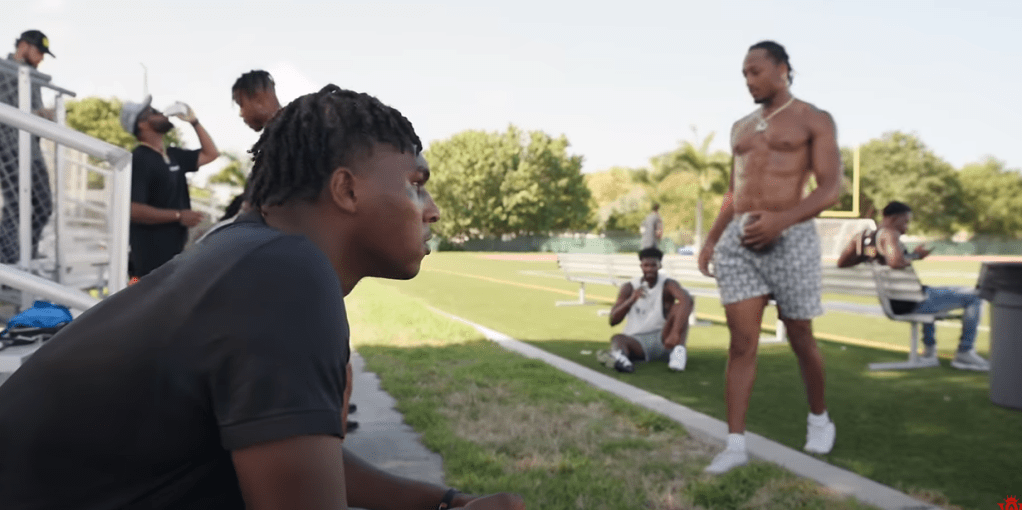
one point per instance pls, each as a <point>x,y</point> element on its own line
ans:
<point>12,150</point>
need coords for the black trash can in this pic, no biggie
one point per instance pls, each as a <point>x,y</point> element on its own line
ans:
<point>1001,284</point>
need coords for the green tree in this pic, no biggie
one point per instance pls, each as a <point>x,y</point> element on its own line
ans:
<point>993,197</point>
<point>101,118</point>
<point>899,166</point>
<point>619,202</point>
<point>235,173</point>
<point>709,168</point>
<point>845,202</point>
<point>510,183</point>
<point>623,197</point>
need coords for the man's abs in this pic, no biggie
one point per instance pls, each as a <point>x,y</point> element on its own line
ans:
<point>769,182</point>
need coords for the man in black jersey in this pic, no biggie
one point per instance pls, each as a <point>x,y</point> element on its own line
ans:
<point>161,208</point>
<point>884,245</point>
<point>218,380</point>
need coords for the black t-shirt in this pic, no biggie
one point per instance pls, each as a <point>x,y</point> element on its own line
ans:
<point>138,402</point>
<point>159,184</point>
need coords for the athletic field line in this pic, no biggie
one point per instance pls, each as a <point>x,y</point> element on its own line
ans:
<point>713,318</point>
<point>519,284</point>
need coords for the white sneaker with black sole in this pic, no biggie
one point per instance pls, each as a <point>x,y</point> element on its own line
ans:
<point>621,362</point>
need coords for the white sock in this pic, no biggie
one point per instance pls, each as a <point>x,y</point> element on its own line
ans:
<point>819,419</point>
<point>736,441</point>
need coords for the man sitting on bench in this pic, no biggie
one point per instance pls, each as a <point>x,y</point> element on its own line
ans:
<point>884,245</point>
<point>657,310</point>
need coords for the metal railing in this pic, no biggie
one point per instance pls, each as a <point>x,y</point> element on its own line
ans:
<point>110,210</point>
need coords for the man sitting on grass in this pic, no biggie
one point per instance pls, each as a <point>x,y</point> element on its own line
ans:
<point>218,381</point>
<point>657,310</point>
<point>884,246</point>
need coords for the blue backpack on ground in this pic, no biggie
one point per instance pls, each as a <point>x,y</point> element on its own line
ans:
<point>38,323</point>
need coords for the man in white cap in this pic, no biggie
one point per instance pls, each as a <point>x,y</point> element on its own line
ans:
<point>29,49</point>
<point>160,204</point>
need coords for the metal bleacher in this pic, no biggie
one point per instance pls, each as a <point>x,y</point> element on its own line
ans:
<point>82,253</point>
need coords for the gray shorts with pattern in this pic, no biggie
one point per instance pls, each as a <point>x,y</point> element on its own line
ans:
<point>789,271</point>
<point>652,344</point>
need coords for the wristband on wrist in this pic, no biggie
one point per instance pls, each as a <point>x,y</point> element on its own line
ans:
<point>448,499</point>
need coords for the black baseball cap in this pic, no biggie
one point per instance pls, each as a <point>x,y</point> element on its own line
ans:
<point>37,39</point>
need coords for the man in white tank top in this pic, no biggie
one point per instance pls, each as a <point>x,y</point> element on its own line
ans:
<point>656,309</point>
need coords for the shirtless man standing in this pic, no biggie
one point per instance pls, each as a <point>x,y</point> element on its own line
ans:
<point>764,243</point>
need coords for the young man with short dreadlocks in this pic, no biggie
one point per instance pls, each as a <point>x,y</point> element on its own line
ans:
<point>218,381</point>
<point>764,243</point>
<point>256,95</point>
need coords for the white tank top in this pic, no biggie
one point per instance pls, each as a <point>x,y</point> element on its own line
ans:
<point>647,314</point>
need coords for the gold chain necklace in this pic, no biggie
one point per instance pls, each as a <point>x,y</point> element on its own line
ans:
<point>762,125</point>
<point>166,158</point>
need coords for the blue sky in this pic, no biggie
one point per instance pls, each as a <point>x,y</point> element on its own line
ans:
<point>623,80</point>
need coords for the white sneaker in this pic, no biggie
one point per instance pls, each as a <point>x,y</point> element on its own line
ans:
<point>679,356</point>
<point>820,438</point>
<point>727,460</point>
<point>929,356</point>
<point>970,361</point>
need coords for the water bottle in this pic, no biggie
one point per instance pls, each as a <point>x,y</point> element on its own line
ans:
<point>178,108</point>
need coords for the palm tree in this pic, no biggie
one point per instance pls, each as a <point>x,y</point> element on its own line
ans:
<point>711,169</point>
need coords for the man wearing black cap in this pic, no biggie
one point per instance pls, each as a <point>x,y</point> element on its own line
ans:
<point>29,49</point>
<point>161,211</point>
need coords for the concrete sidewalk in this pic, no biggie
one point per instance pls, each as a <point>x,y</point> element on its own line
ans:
<point>714,431</point>
<point>382,437</point>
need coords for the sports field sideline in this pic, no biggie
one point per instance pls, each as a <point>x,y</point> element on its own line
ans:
<point>929,430</point>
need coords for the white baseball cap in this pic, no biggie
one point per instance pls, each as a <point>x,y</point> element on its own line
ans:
<point>131,111</point>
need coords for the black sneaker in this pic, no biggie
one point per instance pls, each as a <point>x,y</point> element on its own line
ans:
<point>352,408</point>
<point>351,426</point>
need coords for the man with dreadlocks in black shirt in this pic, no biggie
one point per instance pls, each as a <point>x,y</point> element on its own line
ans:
<point>218,381</point>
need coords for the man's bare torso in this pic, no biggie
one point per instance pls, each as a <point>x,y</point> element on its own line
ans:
<point>771,167</point>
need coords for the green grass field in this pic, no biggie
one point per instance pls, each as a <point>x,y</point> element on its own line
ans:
<point>925,431</point>
<point>503,422</point>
